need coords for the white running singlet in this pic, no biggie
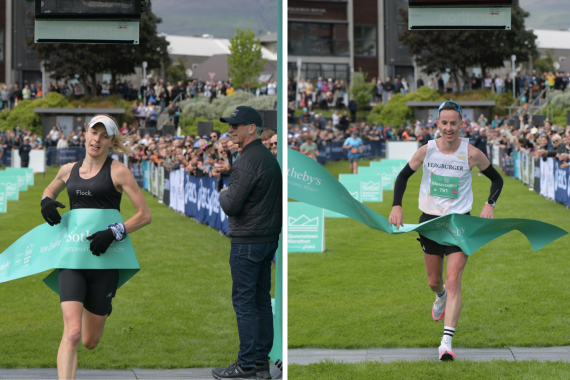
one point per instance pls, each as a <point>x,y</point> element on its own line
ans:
<point>446,181</point>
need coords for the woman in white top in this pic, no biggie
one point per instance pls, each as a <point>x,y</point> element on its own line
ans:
<point>446,189</point>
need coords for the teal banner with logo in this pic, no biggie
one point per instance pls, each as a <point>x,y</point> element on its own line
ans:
<point>305,228</point>
<point>310,183</point>
<point>369,187</point>
<point>20,176</point>
<point>384,174</point>
<point>3,199</point>
<point>28,172</point>
<point>11,183</point>
<point>65,246</point>
<point>396,165</point>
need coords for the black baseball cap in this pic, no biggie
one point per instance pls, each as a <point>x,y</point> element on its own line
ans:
<point>244,115</point>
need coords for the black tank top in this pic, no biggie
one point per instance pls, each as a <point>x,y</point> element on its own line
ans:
<point>97,192</point>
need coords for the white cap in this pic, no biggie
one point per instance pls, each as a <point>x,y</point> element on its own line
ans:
<point>109,124</point>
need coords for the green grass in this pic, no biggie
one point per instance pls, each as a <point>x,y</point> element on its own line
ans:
<point>369,289</point>
<point>529,370</point>
<point>179,304</point>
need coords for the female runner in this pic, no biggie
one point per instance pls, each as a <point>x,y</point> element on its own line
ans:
<point>96,182</point>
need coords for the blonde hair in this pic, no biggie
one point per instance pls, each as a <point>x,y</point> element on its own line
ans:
<point>118,145</point>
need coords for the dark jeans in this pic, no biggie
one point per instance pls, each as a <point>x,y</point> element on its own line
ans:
<point>24,163</point>
<point>251,276</point>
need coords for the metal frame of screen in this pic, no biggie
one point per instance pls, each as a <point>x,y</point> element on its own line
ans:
<point>92,16</point>
<point>461,3</point>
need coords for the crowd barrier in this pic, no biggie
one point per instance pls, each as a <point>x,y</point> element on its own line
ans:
<point>544,175</point>
<point>196,197</point>
<point>334,151</point>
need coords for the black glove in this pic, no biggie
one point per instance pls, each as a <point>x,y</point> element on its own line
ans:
<point>49,211</point>
<point>100,241</point>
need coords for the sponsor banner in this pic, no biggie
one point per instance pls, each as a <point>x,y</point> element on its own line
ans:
<point>161,182</point>
<point>516,165</point>
<point>11,183</point>
<point>468,232</point>
<point>202,201</point>
<point>547,178</point>
<point>145,174</point>
<point>166,188</point>
<point>136,169</point>
<point>495,156</point>
<point>20,177</point>
<point>28,172</point>
<point>385,174</point>
<point>3,199</point>
<point>536,174</point>
<point>561,183</point>
<point>368,187</point>
<point>64,156</point>
<point>525,168</point>
<point>65,246</point>
<point>397,165</point>
<point>334,151</point>
<point>305,228</point>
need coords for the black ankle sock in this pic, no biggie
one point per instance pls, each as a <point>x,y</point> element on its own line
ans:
<point>442,293</point>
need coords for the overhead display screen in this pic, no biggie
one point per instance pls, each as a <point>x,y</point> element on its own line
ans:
<point>462,3</point>
<point>94,9</point>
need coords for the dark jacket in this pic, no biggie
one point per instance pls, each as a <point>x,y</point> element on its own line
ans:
<point>253,200</point>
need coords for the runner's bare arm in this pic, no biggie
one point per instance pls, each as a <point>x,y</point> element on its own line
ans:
<point>418,158</point>
<point>59,183</point>
<point>124,179</point>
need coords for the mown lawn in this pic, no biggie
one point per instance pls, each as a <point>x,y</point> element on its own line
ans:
<point>175,313</point>
<point>369,289</point>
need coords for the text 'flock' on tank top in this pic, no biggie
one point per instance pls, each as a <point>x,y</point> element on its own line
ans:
<point>96,192</point>
<point>446,181</point>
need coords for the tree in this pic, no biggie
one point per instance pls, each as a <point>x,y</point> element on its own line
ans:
<point>361,90</point>
<point>458,50</point>
<point>177,72</point>
<point>245,61</point>
<point>544,65</point>
<point>64,61</point>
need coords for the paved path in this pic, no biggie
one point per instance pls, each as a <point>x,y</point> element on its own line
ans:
<point>108,374</point>
<point>304,356</point>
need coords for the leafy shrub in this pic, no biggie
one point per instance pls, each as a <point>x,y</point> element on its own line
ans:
<point>361,90</point>
<point>395,112</point>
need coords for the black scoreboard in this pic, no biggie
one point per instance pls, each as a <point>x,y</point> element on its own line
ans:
<point>461,3</point>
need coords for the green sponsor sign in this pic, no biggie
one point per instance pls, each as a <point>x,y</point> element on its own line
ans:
<point>21,177</point>
<point>28,172</point>
<point>11,183</point>
<point>396,165</point>
<point>383,174</point>
<point>305,228</point>
<point>468,232</point>
<point>65,246</point>
<point>369,187</point>
<point>3,199</point>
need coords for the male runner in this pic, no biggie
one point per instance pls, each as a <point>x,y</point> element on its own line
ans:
<point>447,160</point>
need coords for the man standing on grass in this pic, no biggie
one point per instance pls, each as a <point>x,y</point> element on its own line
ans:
<point>445,189</point>
<point>253,203</point>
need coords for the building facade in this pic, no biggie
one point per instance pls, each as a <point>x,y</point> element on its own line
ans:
<point>332,39</point>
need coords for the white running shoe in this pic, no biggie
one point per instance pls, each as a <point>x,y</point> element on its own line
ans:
<point>438,310</point>
<point>445,353</point>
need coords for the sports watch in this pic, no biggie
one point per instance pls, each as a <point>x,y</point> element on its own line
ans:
<point>491,203</point>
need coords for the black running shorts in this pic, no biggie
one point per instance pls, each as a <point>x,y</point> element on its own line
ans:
<point>431,247</point>
<point>95,288</point>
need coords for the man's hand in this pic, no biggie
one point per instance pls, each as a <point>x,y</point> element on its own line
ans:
<point>487,212</point>
<point>397,217</point>
<point>224,189</point>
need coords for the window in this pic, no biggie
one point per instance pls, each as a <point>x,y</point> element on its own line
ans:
<point>321,39</point>
<point>313,71</point>
<point>365,40</point>
<point>1,44</point>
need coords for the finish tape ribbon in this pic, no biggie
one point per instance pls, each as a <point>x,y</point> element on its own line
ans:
<point>310,183</point>
<point>65,246</point>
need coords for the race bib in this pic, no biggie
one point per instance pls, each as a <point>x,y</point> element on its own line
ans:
<point>354,150</point>
<point>444,187</point>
